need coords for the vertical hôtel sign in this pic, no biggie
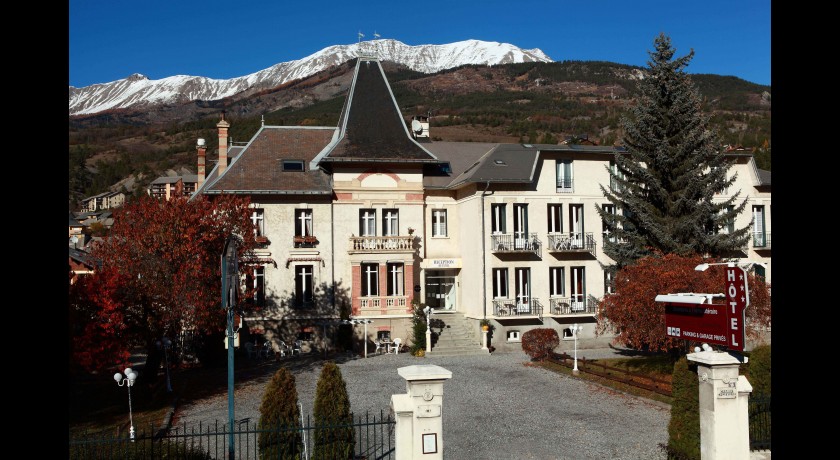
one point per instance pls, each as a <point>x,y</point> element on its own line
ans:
<point>737,301</point>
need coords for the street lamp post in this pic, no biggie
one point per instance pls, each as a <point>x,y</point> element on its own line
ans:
<point>428,311</point>
<point>166,344</point>
<point>360,321</point>
<point>575,329</point>
<point>130,377</point>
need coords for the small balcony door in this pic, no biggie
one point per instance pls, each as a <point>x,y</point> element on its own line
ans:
<point>576,224</point>
<point>578,294</point>
<point>523,289</point>
<point>520,226</point>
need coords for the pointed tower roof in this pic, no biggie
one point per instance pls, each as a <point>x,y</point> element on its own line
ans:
<point>371,127</point>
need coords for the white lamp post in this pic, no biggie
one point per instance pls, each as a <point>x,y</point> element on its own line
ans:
<point>166,344</point>
<point>360,321</point>
<point>130,377</point>
<point>428,311</point>
<point>575,330</point>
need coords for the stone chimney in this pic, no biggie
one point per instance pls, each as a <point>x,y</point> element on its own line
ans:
<point>223,143</point>
<point>201,146</point>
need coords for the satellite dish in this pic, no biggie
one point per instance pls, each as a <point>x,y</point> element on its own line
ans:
<point>416,127</point>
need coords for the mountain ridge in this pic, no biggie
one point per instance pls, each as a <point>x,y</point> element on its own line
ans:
<point>139,92</point>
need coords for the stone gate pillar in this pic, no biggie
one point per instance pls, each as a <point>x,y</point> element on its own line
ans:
<point>419,413</point>
<point>724,401</point>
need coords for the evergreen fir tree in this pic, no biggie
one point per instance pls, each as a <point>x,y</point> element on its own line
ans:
<point>759,371</point>
<point>334,435</point>
<point>418,327</point>
<point>665,182</point>
<point>684,426</point>
<point>280,419</point>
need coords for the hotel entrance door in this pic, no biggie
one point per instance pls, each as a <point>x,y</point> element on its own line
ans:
<point>440,290</point>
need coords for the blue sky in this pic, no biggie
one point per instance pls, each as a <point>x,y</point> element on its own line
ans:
<point>112,39</point>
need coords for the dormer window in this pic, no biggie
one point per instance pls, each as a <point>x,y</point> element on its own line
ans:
<point>293,165</point>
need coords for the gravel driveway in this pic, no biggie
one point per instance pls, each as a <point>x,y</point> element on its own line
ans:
<point>494,407</point>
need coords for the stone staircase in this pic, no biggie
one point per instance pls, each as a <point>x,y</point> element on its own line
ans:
<point>456,336</point>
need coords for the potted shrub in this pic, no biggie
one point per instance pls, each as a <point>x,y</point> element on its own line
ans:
<point>485,324</point>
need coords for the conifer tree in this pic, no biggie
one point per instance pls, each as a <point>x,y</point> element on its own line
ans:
<point>759,371</point>
<point>334,435</point>
<point>665,182</point>
<point>684,426</point>
<point>279,418</point>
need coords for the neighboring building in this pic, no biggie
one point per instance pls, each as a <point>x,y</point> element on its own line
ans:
<point>167,186</point>
<point>381,215</point>
<point>80,263</point>
<point>105,200</point>
<point>76,229</point>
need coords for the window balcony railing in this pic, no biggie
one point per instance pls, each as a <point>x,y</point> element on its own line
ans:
<point>566,306</point>
<point>516,243</point>
<point>381,243</point>
<point>511,307</point>
<point>565,186</point>
<point>571,242</point>
<point>761,240</point>
<point>377,302</point>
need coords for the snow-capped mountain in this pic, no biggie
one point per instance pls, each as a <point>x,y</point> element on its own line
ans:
<point>138,91</point>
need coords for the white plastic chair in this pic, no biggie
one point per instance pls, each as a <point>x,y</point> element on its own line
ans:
<point>378,346</point>
<point>283,349</point>
<point>396,345</point>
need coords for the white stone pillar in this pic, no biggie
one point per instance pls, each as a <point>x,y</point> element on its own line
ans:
<point>484,339</point>
<point>419,413</point>
<point>724,399</point>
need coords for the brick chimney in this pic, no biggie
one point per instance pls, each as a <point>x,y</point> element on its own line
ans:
<point>201,146</point>
<point>223,143</point>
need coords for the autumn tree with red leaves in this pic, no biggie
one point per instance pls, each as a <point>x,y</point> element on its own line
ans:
<point>638,321</point>
<point>159,275</point>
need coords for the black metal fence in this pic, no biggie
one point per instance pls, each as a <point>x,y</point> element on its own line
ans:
<point>759,419</point>
<point>372,438</point>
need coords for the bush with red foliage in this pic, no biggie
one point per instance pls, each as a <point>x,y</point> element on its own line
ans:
<point>540,343</point>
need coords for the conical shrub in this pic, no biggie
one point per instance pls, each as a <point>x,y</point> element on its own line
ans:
<point>684,426</point>
<point>759,371</point>
<point>280,435</point>
<point>334,435</point>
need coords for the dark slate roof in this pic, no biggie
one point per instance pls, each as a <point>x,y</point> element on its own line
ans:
<point>371,126</point>
<point>461,157</point>
<point>763,177</point>
<point>82,257</point>
<point>188,178</point>
<point>258,168</point>
<point>487,162</point>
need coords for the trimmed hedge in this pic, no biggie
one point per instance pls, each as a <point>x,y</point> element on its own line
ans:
<point>334,434</point>
<point>280,418</point>
<point>758,371</point>
<point>684,426</point>
<point>540,343</point>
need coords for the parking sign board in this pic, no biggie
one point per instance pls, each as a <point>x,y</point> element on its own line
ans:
<point>702,323</point>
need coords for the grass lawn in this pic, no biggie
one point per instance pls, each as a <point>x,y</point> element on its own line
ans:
<point>659,367</point>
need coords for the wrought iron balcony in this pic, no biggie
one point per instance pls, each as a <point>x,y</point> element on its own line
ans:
<point>571,242</point>
<point>761,240</point>
<point>381,243</point>
<point>565,306</point>
<point>516,243</point>
<point>503,308</point>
